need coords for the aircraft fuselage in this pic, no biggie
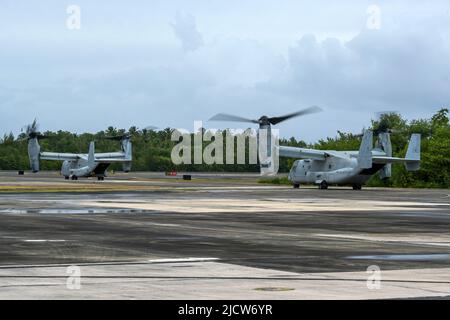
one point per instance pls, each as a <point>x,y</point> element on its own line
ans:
<point>332,170</point>
<point>80,168</point>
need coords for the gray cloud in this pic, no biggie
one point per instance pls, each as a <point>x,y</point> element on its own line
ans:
<point>185,29</point>
<point>376,69</point>
<point>75,83</point>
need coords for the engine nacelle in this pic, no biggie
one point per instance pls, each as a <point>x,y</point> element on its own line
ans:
<point>34,150</point>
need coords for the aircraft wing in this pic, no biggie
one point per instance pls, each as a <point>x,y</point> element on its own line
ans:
<point>337,154</point>
<point>412,157</point>
<point>117,155</point>
<point>302,153</point>
<point>59,156</point>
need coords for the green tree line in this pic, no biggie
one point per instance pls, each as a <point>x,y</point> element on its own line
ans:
<point>152,150</point>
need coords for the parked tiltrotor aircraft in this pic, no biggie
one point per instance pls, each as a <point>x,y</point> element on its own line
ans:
<point>325,167</point>
<point>79,165</point>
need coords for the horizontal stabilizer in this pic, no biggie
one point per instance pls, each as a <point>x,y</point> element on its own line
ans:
<point>385,159</point>
<point>412,159</point>
<point>111,160</point>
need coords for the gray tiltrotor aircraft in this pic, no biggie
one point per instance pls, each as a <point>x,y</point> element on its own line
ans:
<point>325,167</point>
<point>79,165</point>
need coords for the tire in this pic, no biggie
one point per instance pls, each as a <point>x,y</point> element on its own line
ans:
<point>296,185</point>
<point>357,187</point>
<point>323,185</point>
<point>66,177</point>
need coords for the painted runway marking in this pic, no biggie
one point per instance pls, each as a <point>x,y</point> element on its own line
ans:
<point>43,240</point>
<point>411,239</point>
<point>404,257</point>
<point>182,260</point>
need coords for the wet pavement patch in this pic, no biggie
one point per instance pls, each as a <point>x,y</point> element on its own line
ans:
<point>73,211</point>
<point>405,257</point>
<point>274,289</point>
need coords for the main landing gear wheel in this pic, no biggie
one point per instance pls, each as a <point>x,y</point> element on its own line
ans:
<point>357,187</point>
<point>74,178</point>
<point>100,178</point>
<point>66,177</point>
<point>323,185</point>
<point>296,185</point>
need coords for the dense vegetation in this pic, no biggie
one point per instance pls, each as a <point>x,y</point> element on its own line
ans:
<point>152,150</point>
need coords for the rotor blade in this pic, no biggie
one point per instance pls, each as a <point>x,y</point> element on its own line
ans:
<point>229,117</point>
<point>113,138</point>
<point>380,114</point>
<point>31,128</point>
<point>34,126</point>
<point>313,109</point>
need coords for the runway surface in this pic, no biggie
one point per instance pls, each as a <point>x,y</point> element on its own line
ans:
<point>148,236</point>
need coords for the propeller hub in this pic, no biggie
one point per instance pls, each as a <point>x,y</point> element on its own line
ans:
<point>264,120</point>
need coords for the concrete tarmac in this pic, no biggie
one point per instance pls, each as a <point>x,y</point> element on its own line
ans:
<point>147,236</point>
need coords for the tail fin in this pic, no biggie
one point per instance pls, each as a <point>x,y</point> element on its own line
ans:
<point>365,150</point>
<point>127,149</point>
<point>34,150</point>
<point>413,153</point>
<point>91,155</point>
<point>384,142</point>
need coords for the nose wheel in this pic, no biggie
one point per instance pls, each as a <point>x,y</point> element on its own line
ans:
<point>100,178</point>
<point>74,178</point>
<point>357,187</point>
<point>323,185</point>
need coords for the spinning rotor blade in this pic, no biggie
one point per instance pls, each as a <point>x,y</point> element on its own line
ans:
<point>264,120</point>
<point>229,117</point>
<point>118,138</point>
<point>150,128</point>
<point>31,131</point>
<point>276,120</point>
<point>383,123</point>
<point>32,128</point>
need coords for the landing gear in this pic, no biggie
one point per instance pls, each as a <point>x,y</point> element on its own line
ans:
<point>323,185</point>
<point>74,178</point>
<point>100,178</point>
<point>357,187</point>
<point>66,177</point>
<point>296,185</point>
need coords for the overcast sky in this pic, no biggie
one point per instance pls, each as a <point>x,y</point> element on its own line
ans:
<point>168,63</point>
